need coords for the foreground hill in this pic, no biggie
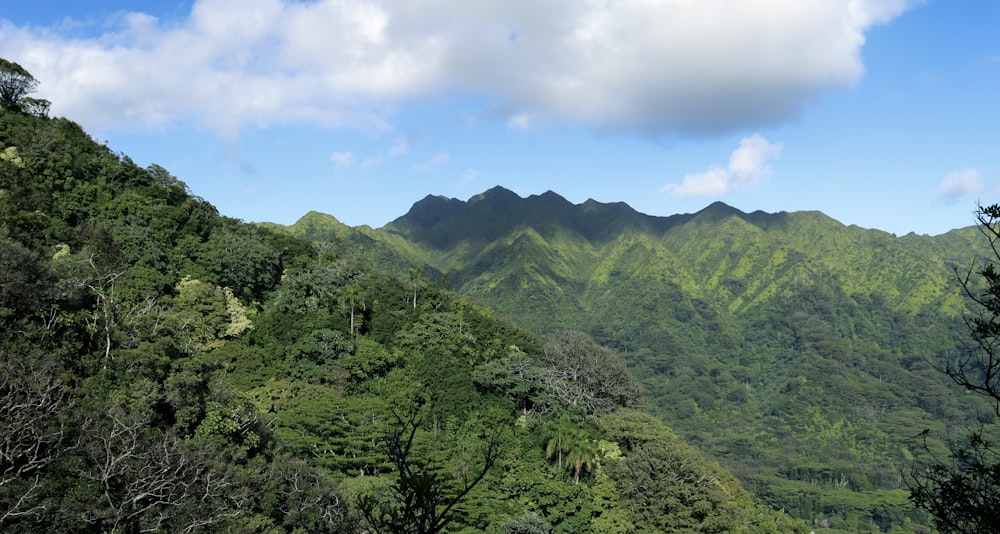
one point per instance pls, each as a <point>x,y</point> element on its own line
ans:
<point>796,350</point>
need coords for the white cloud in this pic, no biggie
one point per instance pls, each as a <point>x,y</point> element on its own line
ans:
<point>630,65</point>
<point>520,121</point>
<point>436,161</point>
<point>956,185</point>
<point>747,168</point>
<point>400,148</point>
<point>342,160</point>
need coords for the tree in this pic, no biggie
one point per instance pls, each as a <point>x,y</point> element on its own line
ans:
<point>571,445</point>
<point>237,256</point>
<point>573,372</point>
<point>24,281</point>
<point>103,283</point>
<point>582,453</point>
<point>584,374</point>
<point>416,281</point>
<point>149,479</point>
<point>15,84</point>
<point>529,523</point>
<point>199,317</point>
<point>560,433</point>
<point>33,430</point>
<point>422,500</point>
<point>963,492</point>
<point>351,298</point>
<point>38,107</point>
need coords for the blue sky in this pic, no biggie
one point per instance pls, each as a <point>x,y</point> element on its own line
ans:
<point>880,113</point>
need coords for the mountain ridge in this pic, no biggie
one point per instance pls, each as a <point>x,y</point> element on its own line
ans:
<point>774,325</point>
<point>448,236</point>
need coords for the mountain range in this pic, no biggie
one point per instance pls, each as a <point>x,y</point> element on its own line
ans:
<point>799,352</point>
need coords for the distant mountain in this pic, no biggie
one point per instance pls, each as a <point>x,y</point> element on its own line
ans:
<point>797,350</point>
<point>314,226</point>
<point>442,222</point>
<point>735,258</point>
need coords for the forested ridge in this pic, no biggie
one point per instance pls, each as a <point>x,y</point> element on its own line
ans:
<point>802,354</point>
<point>166,368</point>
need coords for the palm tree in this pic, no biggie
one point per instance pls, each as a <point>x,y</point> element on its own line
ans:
<point>560,433</point>
<point>415,282</point>
<point>581,455</point>
<point>352,297</point>
<point>571,445</point>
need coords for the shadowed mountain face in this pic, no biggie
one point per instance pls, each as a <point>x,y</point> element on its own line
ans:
<point>498,240</point>
<point>795,349</point>
<point>441,222</point>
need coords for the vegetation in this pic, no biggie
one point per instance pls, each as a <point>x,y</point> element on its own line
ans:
<point>16,84</point>
<point>798,352</point>
<point>963,490</point>
<point>165,368</point>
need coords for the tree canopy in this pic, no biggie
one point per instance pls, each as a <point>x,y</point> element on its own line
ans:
<point>16,84</point>
<point>961,487</point>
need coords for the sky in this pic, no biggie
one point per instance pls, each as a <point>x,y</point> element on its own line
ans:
<point>879,113</point>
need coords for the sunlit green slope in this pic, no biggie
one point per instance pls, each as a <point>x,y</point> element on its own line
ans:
<point>795,349</point>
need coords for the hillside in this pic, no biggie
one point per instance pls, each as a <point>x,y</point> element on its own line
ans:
<point>166,368</point>
<point>796,350</point>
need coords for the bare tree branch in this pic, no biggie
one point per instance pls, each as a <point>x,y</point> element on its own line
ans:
<point>32,434</point>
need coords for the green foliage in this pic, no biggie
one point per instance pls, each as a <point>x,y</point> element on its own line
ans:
<point>202,316</point>
<point>25,281</point>
<point>667,485</point>
<point>423,498</point>
<point>368,361</point>
<point>786,346</point>
<point>15,84</point>
<point>963,491</point>
<point>572,373</point>
<point>238,257</point>
<point>529,523</point>
<point>118,414</point>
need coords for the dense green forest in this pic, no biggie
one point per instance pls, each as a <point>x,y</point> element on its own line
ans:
<point>166,368</point>
<point>801,354</point>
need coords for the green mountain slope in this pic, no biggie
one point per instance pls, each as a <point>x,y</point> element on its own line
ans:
<point>793,348</point>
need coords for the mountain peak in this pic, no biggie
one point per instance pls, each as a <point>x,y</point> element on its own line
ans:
<point>430,210</point>
<point>498,211</point>
<point>719,209</point>
<point>552,195</point>
<point>316,226</point>
<point>495,193</point>
<point>314,215</point>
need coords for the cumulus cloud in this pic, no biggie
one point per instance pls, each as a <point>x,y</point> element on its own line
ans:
<point>956,185</point>
<point>747,168</point>
<point>629,65</point>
